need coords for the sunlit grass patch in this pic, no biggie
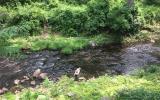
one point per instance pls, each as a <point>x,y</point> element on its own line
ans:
<point>54,42</point>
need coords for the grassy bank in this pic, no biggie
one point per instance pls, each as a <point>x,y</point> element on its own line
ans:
<point>66,45</point>
<point>143,85</point>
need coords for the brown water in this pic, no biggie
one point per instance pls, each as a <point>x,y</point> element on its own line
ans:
<point>112,60</point>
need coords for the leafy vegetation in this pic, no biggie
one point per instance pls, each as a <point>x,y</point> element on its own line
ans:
<point>71,25</point>
<point>23,18</point>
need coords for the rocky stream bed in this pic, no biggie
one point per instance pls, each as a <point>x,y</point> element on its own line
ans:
<point>112,60</point>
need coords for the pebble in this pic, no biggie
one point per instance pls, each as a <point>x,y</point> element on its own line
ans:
<point>33,82</point>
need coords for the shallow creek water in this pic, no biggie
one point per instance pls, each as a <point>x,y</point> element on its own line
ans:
<point>112,60</point>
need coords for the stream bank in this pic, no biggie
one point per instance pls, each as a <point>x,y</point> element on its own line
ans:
<point>111,60</point>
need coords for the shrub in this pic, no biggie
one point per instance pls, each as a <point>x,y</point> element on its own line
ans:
<point>27,13</point>
<point>4,17</point>
<point>72,20</point>
<point>69,22</point>
<point>151,14</point>
<point>152,2</point>
<point>125,20</point>
<point>22,29</point>
<point>97,12</point>
<point>138,94</point>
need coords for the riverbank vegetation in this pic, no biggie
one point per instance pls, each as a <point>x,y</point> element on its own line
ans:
<point>72,25</point>
<point>23,19</point>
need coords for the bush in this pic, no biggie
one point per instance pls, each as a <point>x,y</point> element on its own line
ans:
<point>97,12</point>
<point>138,94</point>
<point>125,20</point>
<point>22,29</point>
<point>74,17</point>
<point>151,14</point>
<point>3,16</point>
<point>70,22</point>
<point>152,2</point>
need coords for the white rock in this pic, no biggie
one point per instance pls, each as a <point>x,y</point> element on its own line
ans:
<point>26,77</point>
<point>77,71</point>
<point>4,89</point>
<point>33,82</point>
<point>43,75</point>
<point>16,82</point>
<point>1,91</point>
<point>37,73</point>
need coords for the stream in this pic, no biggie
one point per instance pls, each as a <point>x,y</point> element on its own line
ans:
<point>94,62</point>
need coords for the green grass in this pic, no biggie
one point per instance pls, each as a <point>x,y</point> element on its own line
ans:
<point>140,86</point>
<point>66,45</point>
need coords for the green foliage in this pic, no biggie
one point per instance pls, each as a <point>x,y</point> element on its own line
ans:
<point>151,73</point>
<point>151,14</point>
<point>8,96</point>
<point>68,21</point>
<point>4,17</point>
<point>74,17</point>
<point>138,94</point>
<point>97,11</point>
<point>125,20</point>
<point>29,95</point>
<point>152,2</point>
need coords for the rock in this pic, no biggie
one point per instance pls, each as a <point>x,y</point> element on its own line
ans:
<point>33,82</point>
<point>43,76</point>
<point>4,89</point>
<point>58,58</point>
<point>92,43</point>
<point>42,59</point>
<point>77,71</point>
<point>16,82</point>
<point>37,73</point>
<point>26,78</point>
<point>1,91</point>
<point>152,41</point>
<point>42,97</point>
<point>22,81</point>
<point>39,63</point>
